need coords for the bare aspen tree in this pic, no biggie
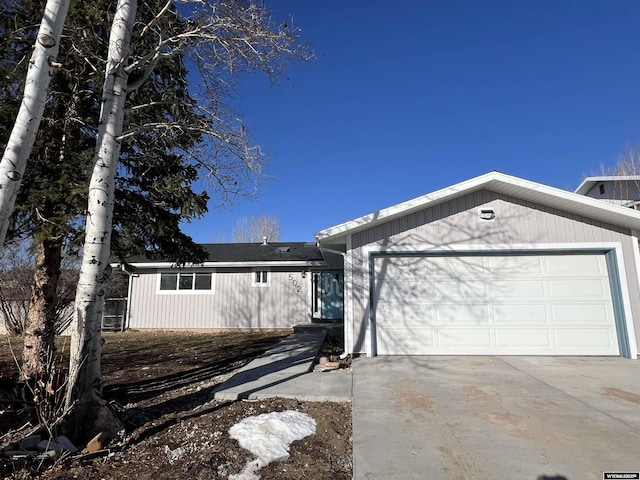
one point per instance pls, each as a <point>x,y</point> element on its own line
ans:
<point>85,378</point>
<point>52,199</point>
<point>256,229</point>
<point>222,39</point>
<point>20,143</point>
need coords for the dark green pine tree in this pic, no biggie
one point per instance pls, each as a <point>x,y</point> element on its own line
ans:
<point>156,183</point>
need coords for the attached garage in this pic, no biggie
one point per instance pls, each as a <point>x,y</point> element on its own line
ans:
<point>495,265</point>
<point>526,304</point>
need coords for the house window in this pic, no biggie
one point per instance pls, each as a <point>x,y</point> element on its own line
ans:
<point>186,282</point>
<point>261,278</point>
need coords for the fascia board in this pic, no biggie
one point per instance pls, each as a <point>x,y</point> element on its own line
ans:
<point>292,263</point>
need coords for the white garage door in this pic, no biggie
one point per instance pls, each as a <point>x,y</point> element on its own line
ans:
<point>512,305</point>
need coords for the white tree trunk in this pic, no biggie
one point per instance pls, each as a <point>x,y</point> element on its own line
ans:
<point>20,143</point>
<point>85,379</point>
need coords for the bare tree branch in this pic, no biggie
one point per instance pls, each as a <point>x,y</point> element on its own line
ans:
<point>256,229</point>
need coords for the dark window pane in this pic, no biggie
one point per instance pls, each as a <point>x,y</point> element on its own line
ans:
<point>186,281</point>
<point>168,281</point>
<point>261,277</point>
<point>203,281</point>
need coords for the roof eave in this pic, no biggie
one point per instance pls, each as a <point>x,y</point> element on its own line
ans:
<point>250,264</point>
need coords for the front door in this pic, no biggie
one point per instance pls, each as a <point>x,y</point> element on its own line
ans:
<point>328,290</point>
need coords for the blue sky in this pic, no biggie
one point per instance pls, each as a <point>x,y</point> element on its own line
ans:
<point>411,96</point>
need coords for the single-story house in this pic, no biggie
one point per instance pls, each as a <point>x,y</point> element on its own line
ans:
<point>493,265</point>
<point>240,286</point>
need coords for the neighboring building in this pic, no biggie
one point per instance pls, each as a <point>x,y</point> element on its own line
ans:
<point>619,189</point>
<point>493,265</point>
<point>244,286</point>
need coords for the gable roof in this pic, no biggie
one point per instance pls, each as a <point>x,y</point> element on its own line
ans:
<point>499,183</point>
<point>248,255</point>
<point>590,182</point>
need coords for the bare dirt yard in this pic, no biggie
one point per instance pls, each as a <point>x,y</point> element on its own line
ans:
<point>160,383</point>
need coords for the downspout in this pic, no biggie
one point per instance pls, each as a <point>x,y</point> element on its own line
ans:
<point>131,275</point>
<point>331,250</point>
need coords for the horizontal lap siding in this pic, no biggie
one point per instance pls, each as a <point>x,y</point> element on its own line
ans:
<point>235,303</point>
<point>456,223</point>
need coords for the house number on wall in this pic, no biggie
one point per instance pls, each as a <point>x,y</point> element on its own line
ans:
<point>294,282</point>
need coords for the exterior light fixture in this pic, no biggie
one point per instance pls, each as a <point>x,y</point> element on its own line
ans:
<point>487,214</point>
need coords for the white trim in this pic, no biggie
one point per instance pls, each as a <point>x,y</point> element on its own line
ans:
<point>539,248</point>
<point>260,284</point>
<point>500,183</point>
<point>635,236</point>
<point>308,277</point>
<point>626,302</point>
<point>348,298</point>
<point>187,266</point>
<point>185,292</point>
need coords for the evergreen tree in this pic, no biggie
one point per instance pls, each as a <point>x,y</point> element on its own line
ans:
<point>155,183</point>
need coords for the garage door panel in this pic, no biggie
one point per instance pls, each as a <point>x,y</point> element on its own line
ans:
<point>523,337</point>
<point>579,287</point>
<point>407,267</point>
<point>495,304</point>
<point>460,314</point>
<point>515,289</point>
<point>580,265</point>
<point>459,267</point>
<point>397,341</point>
<point>448,290</point>
<point>397,316</point>
<point>521,314</point>
<point>568,338</point>
<point>416,291</point>
<point>451,337</point>
<point>515,266</point>
<point>581,313</point>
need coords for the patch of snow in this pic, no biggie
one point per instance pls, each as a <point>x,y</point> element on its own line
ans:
<point>173,455</point>
<point>268,437</point>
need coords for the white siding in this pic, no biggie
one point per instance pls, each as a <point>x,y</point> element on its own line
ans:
<point>234,303</point>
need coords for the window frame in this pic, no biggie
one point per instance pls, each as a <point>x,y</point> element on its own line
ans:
<point>192,290</point>
<point>260,284</point>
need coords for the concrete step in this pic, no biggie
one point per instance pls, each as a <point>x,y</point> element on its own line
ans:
<point>332,328</point>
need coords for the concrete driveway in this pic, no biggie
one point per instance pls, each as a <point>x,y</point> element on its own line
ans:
<point>495,417</point>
